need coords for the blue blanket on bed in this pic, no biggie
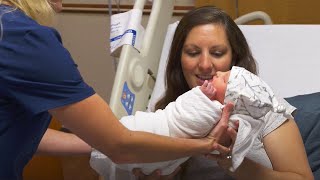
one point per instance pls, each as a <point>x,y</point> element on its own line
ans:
<point>307,117</point>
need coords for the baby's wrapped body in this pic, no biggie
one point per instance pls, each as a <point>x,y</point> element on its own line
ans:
<point>192,115</point>
<point>252,99</point>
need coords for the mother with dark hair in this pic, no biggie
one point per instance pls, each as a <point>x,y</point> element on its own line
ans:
<point>207,40</point>
<point>176,82</point>
<point>40,80</point>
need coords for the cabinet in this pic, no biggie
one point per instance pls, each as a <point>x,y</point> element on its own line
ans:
<point>281,12</point>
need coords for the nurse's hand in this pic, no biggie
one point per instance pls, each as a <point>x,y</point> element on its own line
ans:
<point>155,175</point>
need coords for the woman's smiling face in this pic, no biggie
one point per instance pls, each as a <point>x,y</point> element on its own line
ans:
<point>206,50</point>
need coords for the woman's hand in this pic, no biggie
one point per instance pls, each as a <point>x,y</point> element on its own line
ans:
<point>155,175</point>
<point>225,160</point>
<point>226,137</point>
<point>219,134</point>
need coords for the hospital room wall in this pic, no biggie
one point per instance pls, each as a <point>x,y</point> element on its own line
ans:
<point>281,11</point>
<point>86,36</point>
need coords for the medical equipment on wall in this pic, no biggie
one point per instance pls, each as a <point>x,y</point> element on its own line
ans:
<point>134,80</point>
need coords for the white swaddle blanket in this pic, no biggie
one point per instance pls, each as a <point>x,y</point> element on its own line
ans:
<point>192,115</point>
<point>253,99</point>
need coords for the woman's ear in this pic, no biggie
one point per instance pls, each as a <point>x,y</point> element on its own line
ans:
<point>56,5</point>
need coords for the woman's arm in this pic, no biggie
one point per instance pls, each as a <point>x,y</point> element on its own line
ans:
<point>60,143</point>
<point>285,149</point>
<point>218,132</point>
<point>93,121</point>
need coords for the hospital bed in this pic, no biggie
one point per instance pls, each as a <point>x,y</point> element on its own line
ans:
<point>288,58</point>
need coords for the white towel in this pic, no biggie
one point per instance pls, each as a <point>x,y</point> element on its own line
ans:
<point>191,115</point>
<point>248,131</point>
<point>253,99</point>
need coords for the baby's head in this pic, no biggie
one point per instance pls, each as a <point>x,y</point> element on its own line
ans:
<point>220,83</point>
<point>250,95</point>
<point>216,89</point>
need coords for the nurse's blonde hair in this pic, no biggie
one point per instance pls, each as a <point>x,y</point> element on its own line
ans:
<point>39,10</point>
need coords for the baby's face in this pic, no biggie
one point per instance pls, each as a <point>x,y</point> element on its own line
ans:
<point>220,81</point>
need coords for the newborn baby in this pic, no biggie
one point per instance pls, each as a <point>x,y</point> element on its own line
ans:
<point>194,114</point>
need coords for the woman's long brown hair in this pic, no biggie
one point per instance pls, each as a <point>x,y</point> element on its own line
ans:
<point>241,54</point>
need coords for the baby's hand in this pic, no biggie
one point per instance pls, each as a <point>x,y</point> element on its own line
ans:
<point>208,89</point>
